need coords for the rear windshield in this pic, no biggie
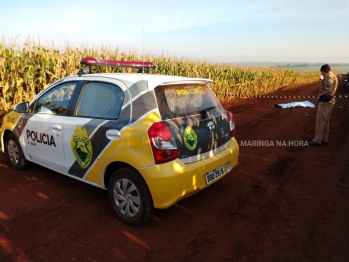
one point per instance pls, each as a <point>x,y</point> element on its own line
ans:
<point>182,100</point>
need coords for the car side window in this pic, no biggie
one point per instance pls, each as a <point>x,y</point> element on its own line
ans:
<point>100,100</point>
<point>56,100</point>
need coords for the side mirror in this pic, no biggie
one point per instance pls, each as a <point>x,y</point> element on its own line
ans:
<point>21,107</point>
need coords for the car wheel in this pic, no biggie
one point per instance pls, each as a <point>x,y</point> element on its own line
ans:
<point>130,197</point>
<point>14,153</point>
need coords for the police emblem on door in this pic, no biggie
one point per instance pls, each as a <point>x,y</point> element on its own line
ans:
<point>190,138</point>
<point>81,146</point>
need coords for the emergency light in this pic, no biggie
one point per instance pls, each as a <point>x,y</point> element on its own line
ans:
<point>87,62</point>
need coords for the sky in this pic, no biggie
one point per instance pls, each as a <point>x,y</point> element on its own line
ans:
<point>214,31</point>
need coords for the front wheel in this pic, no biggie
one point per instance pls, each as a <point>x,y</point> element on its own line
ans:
<point>130,197</point>
<point>14,153</point>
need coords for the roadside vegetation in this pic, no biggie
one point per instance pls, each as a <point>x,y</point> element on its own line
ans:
<point>27,70</point>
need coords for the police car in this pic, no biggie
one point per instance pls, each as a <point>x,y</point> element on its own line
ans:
<point>150,140</point>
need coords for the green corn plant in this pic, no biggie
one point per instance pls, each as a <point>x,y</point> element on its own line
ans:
<point>26,71</point>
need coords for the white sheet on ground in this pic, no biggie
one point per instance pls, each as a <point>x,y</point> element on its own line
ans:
<point>294,104</point>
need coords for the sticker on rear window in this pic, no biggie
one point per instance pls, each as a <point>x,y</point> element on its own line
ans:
<point>190,91</point>
<point>81,146</point>
<point>190,138</point>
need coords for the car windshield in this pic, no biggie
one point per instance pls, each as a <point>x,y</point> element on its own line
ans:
<point>182,100</point>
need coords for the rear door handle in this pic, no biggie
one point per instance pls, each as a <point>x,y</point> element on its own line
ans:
<point>56,128</point>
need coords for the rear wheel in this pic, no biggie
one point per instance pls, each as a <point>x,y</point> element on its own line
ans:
<point>14,153</point>
<point>130,197</point>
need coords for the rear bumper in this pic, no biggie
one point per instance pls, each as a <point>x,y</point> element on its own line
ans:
<point>175,180</point>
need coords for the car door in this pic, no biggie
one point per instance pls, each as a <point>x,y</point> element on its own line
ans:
<point>94,131</point>
<point>43,130</point>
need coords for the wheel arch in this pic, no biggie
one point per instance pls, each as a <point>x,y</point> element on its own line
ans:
<point>3,139</point>
<point>112,167</point>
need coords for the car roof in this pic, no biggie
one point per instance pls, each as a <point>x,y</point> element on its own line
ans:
<point>152,79</point>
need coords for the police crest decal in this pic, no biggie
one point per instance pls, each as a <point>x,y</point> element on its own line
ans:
<point>81,146</point>
<point>190,138</point>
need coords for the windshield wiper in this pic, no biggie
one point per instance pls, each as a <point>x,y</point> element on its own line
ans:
<point>203,113</point>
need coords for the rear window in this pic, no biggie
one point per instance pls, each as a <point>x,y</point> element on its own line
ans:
<point>182,100</point>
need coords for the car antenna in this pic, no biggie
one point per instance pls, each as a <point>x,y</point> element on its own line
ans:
<point>143,48</point>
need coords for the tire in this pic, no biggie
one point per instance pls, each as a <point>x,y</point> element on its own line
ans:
<point>130,197</point>
<point>14,153</point>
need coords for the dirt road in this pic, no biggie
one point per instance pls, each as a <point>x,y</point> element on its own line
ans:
<point>284,202</point>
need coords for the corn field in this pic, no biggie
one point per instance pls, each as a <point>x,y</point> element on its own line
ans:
<point>27,70</point>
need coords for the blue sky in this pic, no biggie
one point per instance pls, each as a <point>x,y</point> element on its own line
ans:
<point>215,31</point>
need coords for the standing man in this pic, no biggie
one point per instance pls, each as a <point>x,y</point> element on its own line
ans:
<point>326,102</point>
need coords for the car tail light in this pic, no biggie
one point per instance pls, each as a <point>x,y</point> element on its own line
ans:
<point>162,143</point>
<point>231,123</point>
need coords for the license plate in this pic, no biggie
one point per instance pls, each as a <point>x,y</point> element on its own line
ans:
<point>214,174</point>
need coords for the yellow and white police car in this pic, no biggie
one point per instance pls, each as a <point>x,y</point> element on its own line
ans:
<point>150,140</point>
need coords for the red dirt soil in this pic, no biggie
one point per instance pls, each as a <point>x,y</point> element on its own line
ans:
<point>282,203</point>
